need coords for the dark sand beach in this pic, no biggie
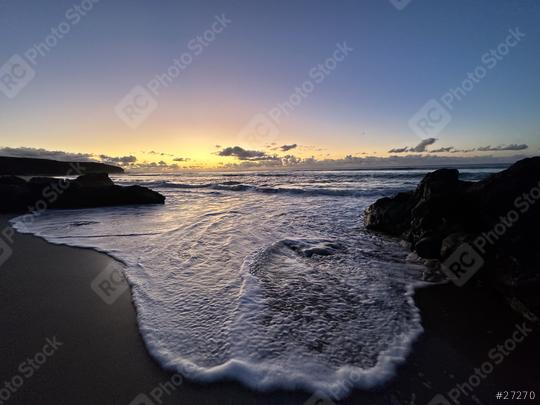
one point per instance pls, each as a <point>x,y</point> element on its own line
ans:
<point>45,293</point>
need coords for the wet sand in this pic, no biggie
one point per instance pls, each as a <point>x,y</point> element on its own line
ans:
<point>95,355</point>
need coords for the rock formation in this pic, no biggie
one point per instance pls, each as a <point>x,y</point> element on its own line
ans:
<point>489,230</point>
<point>87,191</point>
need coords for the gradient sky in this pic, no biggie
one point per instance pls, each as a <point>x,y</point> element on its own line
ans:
<point>401,59</point>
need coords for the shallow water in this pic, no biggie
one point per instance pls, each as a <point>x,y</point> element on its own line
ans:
<point>267,278</point>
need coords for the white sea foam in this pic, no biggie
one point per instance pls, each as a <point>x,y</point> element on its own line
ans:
<point>279,290</point>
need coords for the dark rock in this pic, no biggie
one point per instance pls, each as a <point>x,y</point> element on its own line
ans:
<point>452,242</point>
<point>499,218</point>
<point>87,197</point>
<point>390,215</point>
<point>11,181</point>
<point>13,197</point>
<point>143,195</point>
<point>94,180</point>
<point>39,167</point>
<point>438,183</point>
<point>87,191</point>
<point>42,181</point>
<point>428,247</point>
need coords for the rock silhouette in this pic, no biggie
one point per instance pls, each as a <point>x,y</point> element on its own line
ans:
<point>496,221</point>
<point>87,191</point>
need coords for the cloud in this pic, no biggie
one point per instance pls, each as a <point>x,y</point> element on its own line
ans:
<point>66,156</point>
<point>286,148</point>
<point>421,147</point>
<point>120,160</point>
<point>371,162</point>
<point>290,160</point>
<point>440,150</point>
<point>243,154</point>
<point>129,162</point>
<point>399,150</point>
<point>45,154</point>
<point>463,150</point>
<point>153,152</point>
<point>160,166</point>
<point>503,147</point>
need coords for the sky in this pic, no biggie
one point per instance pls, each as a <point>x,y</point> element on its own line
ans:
<point>205,84</point>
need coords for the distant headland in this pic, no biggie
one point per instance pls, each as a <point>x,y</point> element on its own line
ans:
<point>47,167</point>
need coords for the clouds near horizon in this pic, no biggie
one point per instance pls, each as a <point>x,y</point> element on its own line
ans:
<point>399,150</point>
<point>503,147</point>
<point>286,148</point>
<point>440,150</point>
<point>39,153</point>
<point>244,154</point>
<point>255,159</point>
<point>120,160</point>
<point>422,147</point>
<point>369,162</point>
<point>424,143</point>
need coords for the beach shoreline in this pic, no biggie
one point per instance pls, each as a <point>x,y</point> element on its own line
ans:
<point>46,293</point>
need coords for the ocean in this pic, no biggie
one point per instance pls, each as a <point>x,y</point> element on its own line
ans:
<point>268,278</point>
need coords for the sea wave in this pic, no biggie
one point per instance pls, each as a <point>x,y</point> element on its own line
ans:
<point>294,191</point>
<point>299,324</point>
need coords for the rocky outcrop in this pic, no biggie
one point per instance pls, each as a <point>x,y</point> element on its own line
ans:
<point>391,215</point>
<point>87,191</point>
<point>489,229</point>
